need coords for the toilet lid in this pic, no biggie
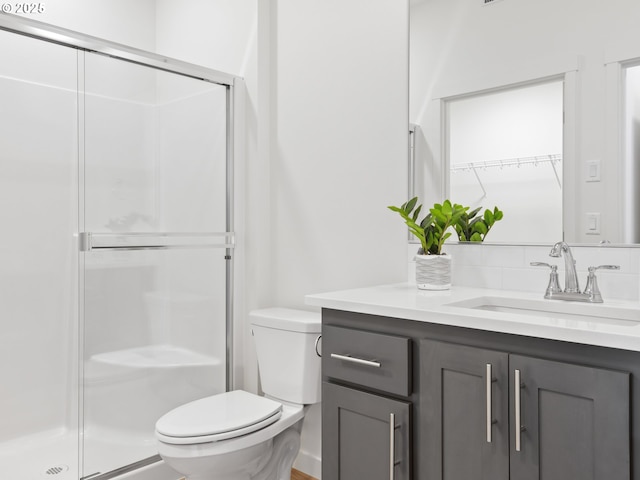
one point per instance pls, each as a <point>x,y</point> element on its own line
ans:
<point>219,417</point>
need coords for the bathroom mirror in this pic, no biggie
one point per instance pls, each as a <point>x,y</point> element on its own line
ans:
<point>474,49</point>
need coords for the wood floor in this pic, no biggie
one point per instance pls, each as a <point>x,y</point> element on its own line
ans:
<point>298,475</point>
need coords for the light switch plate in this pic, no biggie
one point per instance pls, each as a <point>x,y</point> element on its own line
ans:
<point>593,223</point>
<point>593,171</point>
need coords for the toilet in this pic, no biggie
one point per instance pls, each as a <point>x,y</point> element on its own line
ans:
<point>238,435</point>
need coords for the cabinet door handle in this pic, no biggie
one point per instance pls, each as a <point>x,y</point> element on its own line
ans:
<point>360,361</point>
<point>488,383</point>
<point>392,445</point>
<point>518,421</point>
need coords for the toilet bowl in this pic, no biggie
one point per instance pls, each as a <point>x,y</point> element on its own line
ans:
<point>238,435</point>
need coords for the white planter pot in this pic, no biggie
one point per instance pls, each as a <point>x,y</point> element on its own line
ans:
<point>433,272</point>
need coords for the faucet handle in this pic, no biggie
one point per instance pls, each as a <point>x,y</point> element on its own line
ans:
<point>592,282</point>
<point>554,285</point>
<point>542,264</point>
<point>604,267</point>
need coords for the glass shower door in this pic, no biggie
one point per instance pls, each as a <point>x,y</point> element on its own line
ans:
<point>154,265</point>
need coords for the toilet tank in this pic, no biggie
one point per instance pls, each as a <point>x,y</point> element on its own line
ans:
<point>286,342</point>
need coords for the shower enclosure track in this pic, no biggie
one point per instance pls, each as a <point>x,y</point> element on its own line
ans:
<point>69,38</point>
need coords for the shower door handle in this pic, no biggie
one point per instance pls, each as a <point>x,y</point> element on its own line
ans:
<point>88,241</point>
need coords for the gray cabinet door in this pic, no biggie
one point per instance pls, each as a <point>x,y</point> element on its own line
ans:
<point>574,419</point>
<point>357,437</point>
<point>463,418</point>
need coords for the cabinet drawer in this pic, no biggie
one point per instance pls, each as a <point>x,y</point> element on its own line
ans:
<point>378,361</point>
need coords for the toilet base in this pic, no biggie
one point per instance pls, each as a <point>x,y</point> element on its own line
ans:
<point>285,450</point>
<point>270,460</point>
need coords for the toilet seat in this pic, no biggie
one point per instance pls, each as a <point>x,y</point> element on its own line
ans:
<point>218,417</point>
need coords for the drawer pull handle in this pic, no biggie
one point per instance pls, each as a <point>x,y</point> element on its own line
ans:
<point>519,428</point>
<point>360,361</point>
<point>488,382</point>
<point>392,445</point>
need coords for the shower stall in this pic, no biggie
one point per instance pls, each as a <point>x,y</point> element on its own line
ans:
<point>116,256</point>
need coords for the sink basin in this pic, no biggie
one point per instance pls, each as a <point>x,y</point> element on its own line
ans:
<point>555,310</point>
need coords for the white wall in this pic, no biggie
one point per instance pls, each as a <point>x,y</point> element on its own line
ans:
<point>218,34</point>
<point>338,89</point>
<point>463,46</point>
<point>340,150</point>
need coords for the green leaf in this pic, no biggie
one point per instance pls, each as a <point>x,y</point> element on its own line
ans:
<point>426,221</point>
<point>410,205</point>
<point>475,237</point>
<point>498,214</point>
<point>473,213</point>
<point>446,208</point>
<point>456,217</point>
<point>437,214</point>
<point>481,227</point>
<point>416,213</point>
<point>429,240</point>
<point>488,217</point>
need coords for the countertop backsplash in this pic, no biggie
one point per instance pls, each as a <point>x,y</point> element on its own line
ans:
<point>508,267</point>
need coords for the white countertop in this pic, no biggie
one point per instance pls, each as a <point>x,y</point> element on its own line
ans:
<point>613,324</point>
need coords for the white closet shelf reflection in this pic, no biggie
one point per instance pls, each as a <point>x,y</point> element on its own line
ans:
<point>553,159</point>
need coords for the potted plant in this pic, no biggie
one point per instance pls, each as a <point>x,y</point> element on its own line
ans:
<point>433,267</point>
<point>471,228</point>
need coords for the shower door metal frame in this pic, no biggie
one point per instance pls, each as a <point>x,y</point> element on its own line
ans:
<point>87,241</point>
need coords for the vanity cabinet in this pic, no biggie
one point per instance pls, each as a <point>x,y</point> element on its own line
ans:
<point>458,404</point>
<point>492,415</point>
<point>366,414</point>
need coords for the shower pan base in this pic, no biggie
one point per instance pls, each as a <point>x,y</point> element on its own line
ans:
<point>53,455</point>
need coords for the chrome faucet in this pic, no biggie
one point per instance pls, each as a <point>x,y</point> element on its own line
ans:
<point>571,291</point>
<point>570,275</point>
